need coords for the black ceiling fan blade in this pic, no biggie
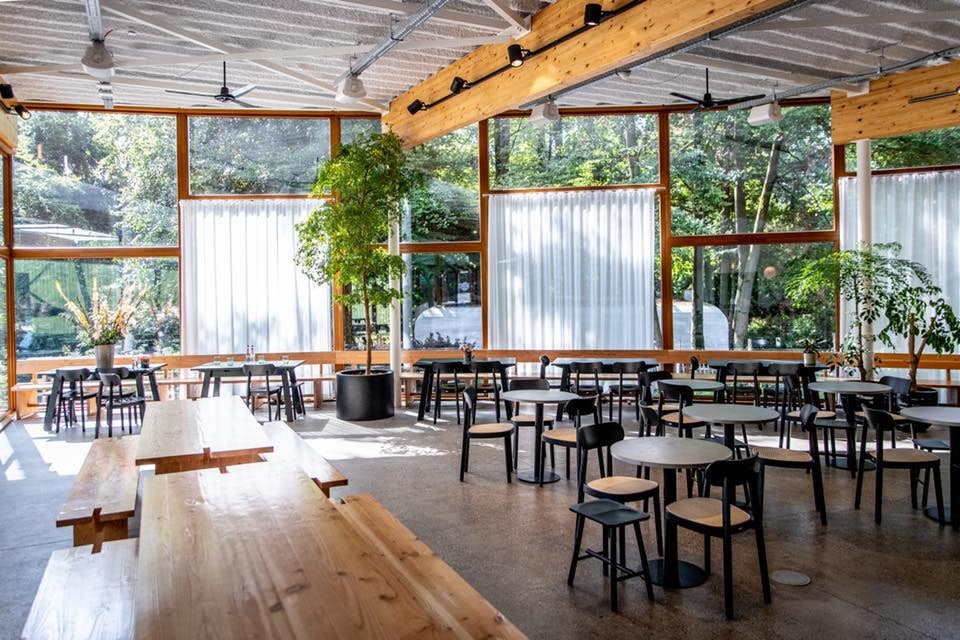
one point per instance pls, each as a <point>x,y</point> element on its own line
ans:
<point>189,93</point>
<point>244,90</point>
<point>934,96</point>
<point>244,104</point>
<point>686,97</point>
<point>729,101</point>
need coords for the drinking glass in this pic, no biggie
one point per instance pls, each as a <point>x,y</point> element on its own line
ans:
<point>286,359</point>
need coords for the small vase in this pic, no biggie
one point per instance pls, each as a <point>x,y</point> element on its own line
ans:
<point>104,354</point>
<point>809,359</point>
<point>467,358</point>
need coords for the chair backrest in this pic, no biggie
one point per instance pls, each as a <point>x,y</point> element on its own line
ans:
<point>544,363</point>
<point>267,369</point>
<point>589,438</point>
<point>113,378</point>
<point>878,420</point>
<point>673,392</point>
<point>647,379</point>
<point>449,367</point>
<point>650,420</point>
<point>469,408</point>
<point>808,419</point>
<point>593,366</point>
<point>485,366</point>
<point>899,391</point>
<point>694,366</point>
<point>783,369</point>
<point>580,407</point>
<point>73,375</point>
<point>635,366</point>
<point>524,385</point>
<point>730,474</point>
<point>744,367</point>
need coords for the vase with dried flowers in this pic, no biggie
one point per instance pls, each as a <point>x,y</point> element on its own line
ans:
<point>467,349</point>
<point>102,326</point>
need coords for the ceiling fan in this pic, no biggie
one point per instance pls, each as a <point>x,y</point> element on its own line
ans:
<point>225,94</point>
<point>708,101</point>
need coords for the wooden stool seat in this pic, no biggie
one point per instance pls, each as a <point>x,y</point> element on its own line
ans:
<point>491,429</point>
<point>904,455</point>
<point>706,512</point>
<point>776,454</point>
<point>527,420</point>
<point>821,415</point>
<point>674,419</point>
<point>619,486</point>
<point>562,437</point>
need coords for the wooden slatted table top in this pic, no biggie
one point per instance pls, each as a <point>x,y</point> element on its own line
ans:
<point>195,429</point>
<point>107,483</point>
<point>259,552</point>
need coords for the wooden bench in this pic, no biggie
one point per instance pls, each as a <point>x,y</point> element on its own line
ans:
<point>104,494</point>
<point>290,447</point>
<point>403,551</point>
<point>86,596</point>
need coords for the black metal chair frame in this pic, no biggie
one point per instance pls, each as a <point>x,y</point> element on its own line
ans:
<point>267,390</point>
<point>469,418</point>
<point>118,398</point>
<point>71,391</point>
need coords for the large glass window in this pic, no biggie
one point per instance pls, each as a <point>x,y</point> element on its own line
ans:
<point>3,185</point>
<point>574,151</point>
<point>732,297</point>
<point>441,305</point>
<point>730,177</point>
<point>42,325</point>
<point>353,128</point>
<point>937,148</point>
<point>249,155</point>
<point>4,355</point>
<point>448,206</point>
<point>95,179</point>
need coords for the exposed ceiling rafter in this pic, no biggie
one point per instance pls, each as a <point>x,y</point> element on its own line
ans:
<point>459,18</point>
<point>119,8</point>
<point>519,24</point>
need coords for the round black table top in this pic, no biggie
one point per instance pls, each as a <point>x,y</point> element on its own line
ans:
<point>538,396</point>
<point>943,416</point>
<point>424,363</point>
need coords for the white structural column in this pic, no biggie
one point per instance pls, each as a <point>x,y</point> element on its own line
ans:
<point>865,228</point>
<point>393,244</point>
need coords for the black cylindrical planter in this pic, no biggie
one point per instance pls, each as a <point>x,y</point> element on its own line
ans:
<point>364,397</point>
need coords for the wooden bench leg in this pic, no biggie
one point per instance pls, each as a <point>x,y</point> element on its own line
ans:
<point>97,532</point>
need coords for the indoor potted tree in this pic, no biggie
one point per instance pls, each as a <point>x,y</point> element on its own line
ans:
<point>341,241</point>
<point>101,326</point>
<point>867,278</point>
<point>920,314</point>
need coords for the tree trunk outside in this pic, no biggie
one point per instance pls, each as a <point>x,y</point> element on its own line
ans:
<point>369,328</point>
<point>696,307</point>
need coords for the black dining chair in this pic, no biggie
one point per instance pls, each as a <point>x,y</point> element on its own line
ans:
<point>567,437</point>
<point>112,397</point>
<point>679,396</point>
<point>746,382</point>
<point>272,392</point>
<point>448,385</point>
<point>72,394</point>
<point>774,392</point>
<point>628,384</point>
<point>722,518</point>
<point>649,380</point>
<point>486,431</point>
<point>486,379</point>
<point>586,378</point>
<point>790,408</point>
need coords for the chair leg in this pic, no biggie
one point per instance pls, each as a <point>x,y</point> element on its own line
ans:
<point>567,466</point>
<point>657,515</point>
<point>728,575</point>
<point>818,497</point>
<point>516,446</point>
<point>644,565</point>
<point>606,551</point>
<point>614,547</point>
<point>851,449</point>
<point>508,457</point>
<point>859,493</point>
<point>878,507</point>
<point>762,556</point>
<point>938,494</point>
<point>464,456</point>
<point>706,554</point>
<point>914,480</point>
<point>926,487</point>
<point>577,537</point>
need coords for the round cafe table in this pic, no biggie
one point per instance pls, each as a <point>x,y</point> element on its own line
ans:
<point>538,397</point>
<point>848,390</point>
<point>671,455</point>
<point>944,417</point>
<point>729,416</point>
<point>696,384</point>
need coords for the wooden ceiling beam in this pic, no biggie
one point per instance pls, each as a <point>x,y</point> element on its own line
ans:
<point>886,110</point>
<point>640,32</point>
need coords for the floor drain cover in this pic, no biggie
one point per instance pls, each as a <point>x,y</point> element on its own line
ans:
<point>791,578</point>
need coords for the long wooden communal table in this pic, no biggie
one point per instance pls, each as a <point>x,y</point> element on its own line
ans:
<point>182,435</point>
<point>260,552</point>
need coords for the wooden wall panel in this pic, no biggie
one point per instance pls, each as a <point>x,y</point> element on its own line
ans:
<point>644,30</point>
<point>886,110</point>
<point>8,132</point>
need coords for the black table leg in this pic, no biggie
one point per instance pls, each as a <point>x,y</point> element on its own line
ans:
<point>205,386</point>
<point>287,396</point>
<point>850,462</point>
<point>425,389</point>
<point>505,385</point>
<point>670,571</point>
<point>954,469</point>
<point>537,476</point>
<point>154,387</point>
<point>216,385</point>
<point>51,408</point>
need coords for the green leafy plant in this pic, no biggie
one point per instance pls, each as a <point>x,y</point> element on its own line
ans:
<point>920,314</point>
<point>101,324</point>
<point>341,241</point>
<point>868,279</point>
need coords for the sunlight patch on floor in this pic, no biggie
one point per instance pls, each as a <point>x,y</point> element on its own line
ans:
<point>333,448</point>
<point>63,456</point>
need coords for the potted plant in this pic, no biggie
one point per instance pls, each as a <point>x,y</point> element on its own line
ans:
<point>467,349</point>
<point>102,326</point>
<point>919,313</point>
<point>867,278</point>
<point>341,241</point>
<point>810,351</point>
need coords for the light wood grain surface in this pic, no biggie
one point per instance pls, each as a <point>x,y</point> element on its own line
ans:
<point>289,446</point>
<point>86,596</point>
<point>260,552</point>
<point>179,435</point>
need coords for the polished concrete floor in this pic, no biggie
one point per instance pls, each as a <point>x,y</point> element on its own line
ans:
<point>513,542</point>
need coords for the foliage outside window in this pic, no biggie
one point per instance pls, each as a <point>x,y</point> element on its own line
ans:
<point>734,297</point>
<point>4,356</point>
<point>256,156</point>
<point>441,301</point>
<point>447,207</point>
<point>95,179</point>
<point>353,128</point>
<point>3,218</point>
<point>43,328</point>
<point>730,177</point>
<point>937,148</point>
<point>575,151</point>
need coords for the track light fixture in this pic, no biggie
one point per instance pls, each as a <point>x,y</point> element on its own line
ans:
<point>6,93</point>
<point>516,53</point>
<point>593,14</point>
<point>416,106</point>
<point>350,89</point>
<point>23,112</point>
<point>458,85</point>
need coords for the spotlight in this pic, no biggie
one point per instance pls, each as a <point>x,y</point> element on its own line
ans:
<point>22,111</point>
<point>458,85</point>
<point>545,112</point>
<point>350,89</point>
<point>415,106</point>
<point>593,15</point>
<point>516,53</point>
<point>6,91</point>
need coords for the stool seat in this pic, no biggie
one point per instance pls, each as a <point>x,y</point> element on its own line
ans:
<point>674,418</point>
<point>564,437</point>
<point>931,444</point>
<point>491,429</point>
<point>609,513</point>
<point>619,486</point>
<point>821,415</point>
<point>776,454</point>
<point>706,512</point>
<point>904,455</point>
<point>527,420</point>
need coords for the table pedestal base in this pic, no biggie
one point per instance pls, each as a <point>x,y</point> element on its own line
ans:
<point>931,512</point>
<point>842,463</point>
<point>527,475</point>
<point>688,575</point>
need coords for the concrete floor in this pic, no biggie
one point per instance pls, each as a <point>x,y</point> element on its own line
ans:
<point>513,542</point>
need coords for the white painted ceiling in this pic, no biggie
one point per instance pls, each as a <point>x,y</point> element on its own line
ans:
<point>819,40</point>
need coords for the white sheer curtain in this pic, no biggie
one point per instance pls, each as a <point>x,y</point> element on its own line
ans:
<point>572,270</point>
<point>240,285</point>
<point>921,211</point>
